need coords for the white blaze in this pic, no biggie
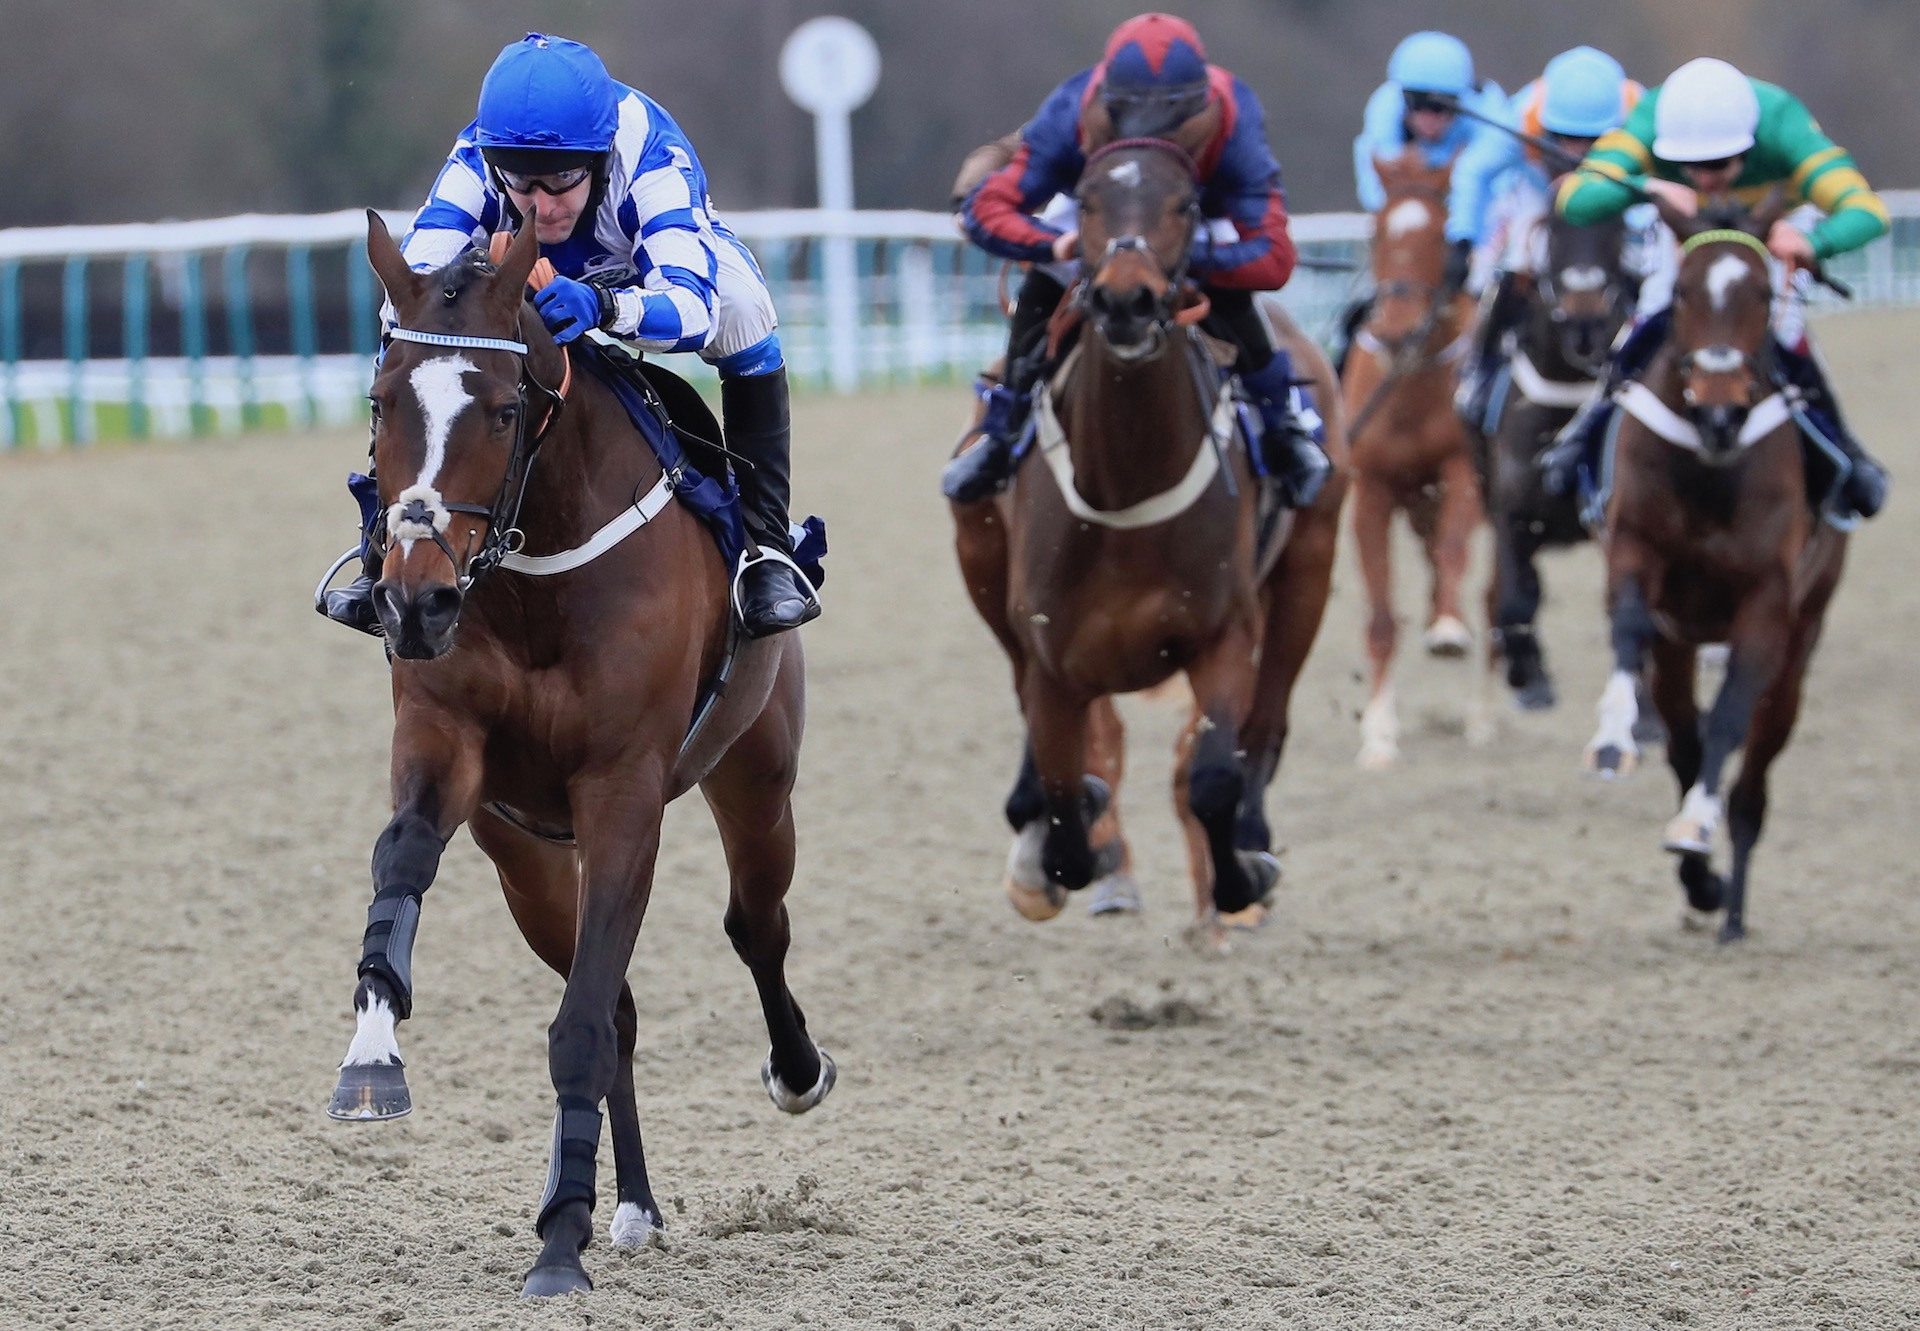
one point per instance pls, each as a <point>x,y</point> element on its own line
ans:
<point>1727,271</point>
<point>1407,215</point>
<point>442,398</point>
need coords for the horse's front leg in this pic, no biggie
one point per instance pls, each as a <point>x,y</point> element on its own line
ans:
<point>617,822</point>
<point>1613,750</point>
<point>436,783</point>
<point>1449,549</point>
<point>1373,505</point>
<point>1071,799</point>
<point>1757,651</point>
<point>1217,778</point>
<point>1516,609</point>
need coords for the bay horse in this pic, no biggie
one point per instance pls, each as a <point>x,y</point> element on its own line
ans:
<point>1573,303</point>
<point>1409,447</point>
<point>544,701</point>
<point>1711,536</point>
<point>1135,547</point>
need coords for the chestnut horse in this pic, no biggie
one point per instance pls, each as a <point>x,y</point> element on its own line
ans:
<point>1711,537</point>
<point>1409,446</point>
<point>1137,545</point>
<point>545,701</point>
<point>1572,305</point>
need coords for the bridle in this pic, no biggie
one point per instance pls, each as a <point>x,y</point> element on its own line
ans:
<point>1171,306</point>
<point>1724,357</point>
<point>416,516</point>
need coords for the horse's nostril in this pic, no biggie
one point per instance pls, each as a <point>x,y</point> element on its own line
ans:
<point>438,606</point>
<point>1142,303</point>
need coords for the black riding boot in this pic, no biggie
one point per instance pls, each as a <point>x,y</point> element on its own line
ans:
<point>771,594</point>
<point>1577,447</point>
<point>352,604</point>
<point>985,467</point>
<point>1865,489</point>
<point>1500,310</point>
<point>1350,320</point>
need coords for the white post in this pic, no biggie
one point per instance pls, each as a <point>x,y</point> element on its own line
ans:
<point>829,66</point>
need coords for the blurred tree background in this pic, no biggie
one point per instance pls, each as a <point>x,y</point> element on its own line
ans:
<point>113,110</point>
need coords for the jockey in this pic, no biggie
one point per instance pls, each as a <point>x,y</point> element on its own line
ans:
<point>625,219</point>
<point>1710,131</point>
<point>1582,94</point>
<point>1153,82</point>
<point>1429,79</point>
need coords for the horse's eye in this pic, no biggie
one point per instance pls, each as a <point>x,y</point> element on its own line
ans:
<point>373,408</point>
<point>504,418</point>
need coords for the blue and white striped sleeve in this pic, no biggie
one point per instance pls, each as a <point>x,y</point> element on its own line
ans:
<point>460,211</point>
<point>1381,136</point>
<point>673,307</point>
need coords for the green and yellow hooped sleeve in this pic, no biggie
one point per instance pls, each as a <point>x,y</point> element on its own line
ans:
<point>1825,176</point>
<point>1611,178</point>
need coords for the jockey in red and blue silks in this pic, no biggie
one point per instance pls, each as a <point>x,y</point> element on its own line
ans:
<point>1153,82</point>
<point>638,252</point>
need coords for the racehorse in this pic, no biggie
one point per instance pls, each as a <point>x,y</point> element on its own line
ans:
<point>1409,447</point>
<point>1575,301</point>
<point>1711,536</point>
<point>545,701</point>
<point>1139,544</point>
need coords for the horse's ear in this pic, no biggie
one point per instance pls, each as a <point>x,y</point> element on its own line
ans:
<point>1772,208</point>
<point>402,283</point>
<point>510,283</point>
<point>1682,224</point>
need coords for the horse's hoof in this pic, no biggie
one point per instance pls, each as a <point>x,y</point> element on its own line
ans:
<point>1648,728</point>
<point>1705,889</point>
<point>1731,932</point>
<point>1612,760</point>
<point>633,1226</point>
<point>790,1102</point>
<point>544,1282</point>
<point>1687,836</point>
<point>1535,695</point>
<point>1449,638</point>
<point>371,1092</point>
<point>1377,757</point>
<point>1264,868</point>
<point>1037,903</point>
<point>1251,920</point>
<point>1115,894</point>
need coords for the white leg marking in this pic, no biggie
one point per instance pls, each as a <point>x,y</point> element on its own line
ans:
<point>1619,709</point>
<point>442,398</point>
<point>1702,809</point>
<point>373,1038</point>
<point>1447,636</point>
<point>630,1228</point>
<point>785,1098</point>
<point>1380,732</point>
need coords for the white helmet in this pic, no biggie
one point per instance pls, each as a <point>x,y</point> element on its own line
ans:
<point>1707,110</point>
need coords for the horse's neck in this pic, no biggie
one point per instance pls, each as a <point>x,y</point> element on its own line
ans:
<point>1132,428</point>
<point>591,465</point>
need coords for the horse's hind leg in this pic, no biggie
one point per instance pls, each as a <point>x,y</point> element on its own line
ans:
<point>541,882</point>
<point>1516,608</point>
<point>1613,751</point>
<point>1372,537</point>
<point>1223,680</point>
<point>750,792</point>
<point>436,782</point>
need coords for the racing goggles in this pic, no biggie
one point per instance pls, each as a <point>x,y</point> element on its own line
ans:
<point>1151,113</point>
<point>1717,164</point>
<point>550,182</point>
<point>1429,101</point>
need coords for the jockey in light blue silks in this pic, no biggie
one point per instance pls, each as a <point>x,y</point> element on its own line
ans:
<point>625,219</point>
<point>1582,94</point>
<point>1429,77</point>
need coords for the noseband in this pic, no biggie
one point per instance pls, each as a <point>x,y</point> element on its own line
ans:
<point>419,513</point>
<point>1170,306</point>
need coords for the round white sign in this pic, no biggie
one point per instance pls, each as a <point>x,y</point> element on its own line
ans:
<point>829,64</point>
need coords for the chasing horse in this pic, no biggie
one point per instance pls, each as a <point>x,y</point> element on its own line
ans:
<point>1558,314</point>
<point>1409,447</point>
<point>1720,527</point>
<point>1143,540</point>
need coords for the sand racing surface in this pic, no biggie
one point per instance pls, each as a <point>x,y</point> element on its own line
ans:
<point>1474,1073</point>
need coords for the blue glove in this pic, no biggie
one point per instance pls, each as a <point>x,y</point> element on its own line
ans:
<point>568,308</point>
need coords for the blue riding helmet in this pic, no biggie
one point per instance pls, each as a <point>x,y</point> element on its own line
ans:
<point>1432,62</point>
<point>1154,75</point>
<point>547,95</point>
<point>1585,94</point>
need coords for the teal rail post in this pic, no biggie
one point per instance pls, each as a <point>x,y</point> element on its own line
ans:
<point>13,424</point>
<point>193,343</point>
<point>300,298</point>
<point>240,334</point>
<point>139,421</point>
<point>73,283</point>
<point>363,312</point>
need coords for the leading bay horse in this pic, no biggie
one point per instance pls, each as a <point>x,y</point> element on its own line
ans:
<point>547,708</point>
<point>1409,446</point>
<point>1711,537</point>
<point>1131,549</point>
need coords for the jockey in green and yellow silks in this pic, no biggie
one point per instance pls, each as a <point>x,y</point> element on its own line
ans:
<point>1710,132</point>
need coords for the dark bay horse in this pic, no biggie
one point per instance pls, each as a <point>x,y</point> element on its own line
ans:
<point>1134,547</point>
<point>546,705</point>
<point>1409,446</point>
<point>1573,303</point>
<point>1710,537</point>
